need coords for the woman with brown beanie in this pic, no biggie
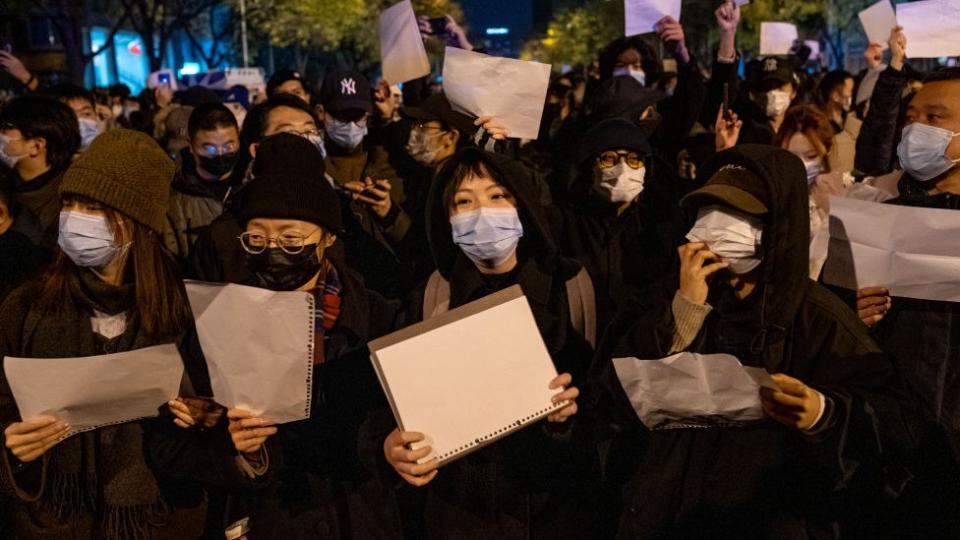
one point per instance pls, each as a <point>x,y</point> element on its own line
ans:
<point>113,288</point>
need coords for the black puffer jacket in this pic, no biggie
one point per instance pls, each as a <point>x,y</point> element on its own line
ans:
<point>537,482</point>
<point>764,480</point>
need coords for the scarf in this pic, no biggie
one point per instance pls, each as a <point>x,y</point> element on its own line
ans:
<point>327,308</point>
<point>102,472</point>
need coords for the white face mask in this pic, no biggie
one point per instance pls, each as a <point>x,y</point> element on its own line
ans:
<point>621,183</point>
<point>7,159</point>
<point>419,146</point>
<point>487,236</point>
<point>89,130</point>
<point>814,168</point>
<point>637,74</point>
<point>778,102</point>
<point>87,240</point>
<point>347,135</point>
<point>923,151</point>
<point>734,238</point>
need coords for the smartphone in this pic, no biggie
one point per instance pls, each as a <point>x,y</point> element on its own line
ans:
<point>163,78</point>
<point>726,101</point>
<point>438,26</point>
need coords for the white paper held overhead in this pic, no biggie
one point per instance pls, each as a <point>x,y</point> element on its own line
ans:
<point>877,21</point>
<point>96,391</point>
<point>776,38</point>
<point>642,16</point>
<point>932,28</point>
<point>910,251</point>
<point>402,53</point>
<point>693,390</point>
<point>512,91</point>
<point>259,347</point>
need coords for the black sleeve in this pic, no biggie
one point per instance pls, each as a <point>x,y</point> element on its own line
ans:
<point>876,145</point>
<point>682,110</point>
<point>723,74</point>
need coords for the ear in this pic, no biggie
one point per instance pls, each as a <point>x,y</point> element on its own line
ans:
<point>454,137</point>
<point>330,240</point>
<point>253,149</point>
<point>37,147</point>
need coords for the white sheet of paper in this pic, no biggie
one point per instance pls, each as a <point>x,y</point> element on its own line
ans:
<point>259,347</point>
<point>742,3</point>
<point>402,53</point>
<point>641,16</point>
<point>95,391</point>
<point>814,48</point>
<point>776,38</point>
<point>452,380</point>
<point>932,28</point>
<point>914,252</point>
<point>693,390</point>
<point>877,21</point>
<point>512,91</point>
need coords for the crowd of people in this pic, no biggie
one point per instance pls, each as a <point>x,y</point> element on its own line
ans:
<point>667,205</point>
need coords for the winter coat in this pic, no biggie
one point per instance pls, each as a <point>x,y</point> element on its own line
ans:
<point>536,483</point>
<point>763,480</point>
<point>876,151</point>
<point>40,198</point>
<point>843,152</point>
<point>193,205</point>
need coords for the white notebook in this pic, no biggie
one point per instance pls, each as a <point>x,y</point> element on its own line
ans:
<point>469,376</point>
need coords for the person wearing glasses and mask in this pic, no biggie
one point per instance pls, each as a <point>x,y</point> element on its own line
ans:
<point>621,219</point>
<point>316,478</point>
<point>203,179</point>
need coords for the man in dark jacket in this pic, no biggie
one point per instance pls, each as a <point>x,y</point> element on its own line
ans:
<point>837,404</point>
<point>202,182</point>
<point>922,335</point>
<point>876,145</point>
<point>38,138</point>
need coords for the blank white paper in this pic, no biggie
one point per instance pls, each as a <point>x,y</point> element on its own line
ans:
<point>877,21</point>
<point>776,38</point>
<point>642,16</point>
<point>402,53</point>
<point>932,28</point>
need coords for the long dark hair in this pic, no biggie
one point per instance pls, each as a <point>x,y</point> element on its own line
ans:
<point>162,308</point>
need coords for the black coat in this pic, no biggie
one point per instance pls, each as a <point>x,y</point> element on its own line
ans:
<point>880,133</point>
<point>763,480</point>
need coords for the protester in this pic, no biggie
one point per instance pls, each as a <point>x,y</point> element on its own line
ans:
<point>204,176</point>
<point>38,138</point>
<point>287,81</point>
<point>84,105</point>
<point>113,288</point>
<point>876,145</point>
<point>835,95</point>
<point>837,405</point>
<point>487,233</point>
<point>21,258</point>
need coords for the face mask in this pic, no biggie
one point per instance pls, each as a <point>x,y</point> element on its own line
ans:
<point>89,129</point>
<point>316,140</point>
<point>778,102</point>
<point>488,236</point>
<point>847,103</point>
<point>814,168</point>
<point>348,135</point>
<point>621,183</point>
<point>278,270</point>
<point>419,148</point>
<point>88,240</point>
<point>117,111</point>
<point>7,159</point>
<point>732,237</point>
<point>219,165</point>
<point>637,74</point>
<point>923,151</point>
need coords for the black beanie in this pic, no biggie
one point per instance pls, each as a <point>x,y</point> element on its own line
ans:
<point>614,134</point>
<point>289,183</point>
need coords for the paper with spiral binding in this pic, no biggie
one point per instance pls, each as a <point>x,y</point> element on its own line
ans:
<point>259,347</point>
<point>470,376</point>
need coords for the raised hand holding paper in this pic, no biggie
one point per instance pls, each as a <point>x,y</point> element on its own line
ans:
<point>642,16</point>
<point>776,38</point>
<point>402,53</point>
<point>511,91</point>
<point>877,21</point>
<point>96,391</point>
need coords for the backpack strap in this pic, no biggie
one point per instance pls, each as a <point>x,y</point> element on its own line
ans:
<point>583,306</point>
<point>436,297</point>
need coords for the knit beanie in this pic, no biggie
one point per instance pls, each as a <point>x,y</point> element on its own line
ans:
<point>127,171</point>
<point>289,183</point>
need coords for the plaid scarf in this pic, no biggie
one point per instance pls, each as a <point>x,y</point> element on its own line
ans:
<point>327,306</point>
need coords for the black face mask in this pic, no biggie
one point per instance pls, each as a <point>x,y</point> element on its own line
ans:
<point>219,165</point>
<point>278,270</point>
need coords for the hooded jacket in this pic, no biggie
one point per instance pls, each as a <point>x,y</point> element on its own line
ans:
<point>764,480</point>
<point>193,206</point>
<point>537,482</point>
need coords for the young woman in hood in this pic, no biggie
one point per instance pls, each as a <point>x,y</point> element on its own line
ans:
<point>835,423</point>
<point>486,233</point>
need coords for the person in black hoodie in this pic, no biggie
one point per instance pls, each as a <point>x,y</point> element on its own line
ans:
<point>921,335</point>
<point>535,483</point>
<point>317,478</point>
<point>21,258</point>
<point>837,423</point>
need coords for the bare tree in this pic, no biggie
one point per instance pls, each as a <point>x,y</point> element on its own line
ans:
<point>157,20</point>
<point>220,27</point>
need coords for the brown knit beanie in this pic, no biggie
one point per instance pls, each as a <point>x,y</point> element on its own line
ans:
<point>127,171</point>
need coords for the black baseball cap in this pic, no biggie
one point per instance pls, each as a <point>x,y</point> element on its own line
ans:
<point>282,76</point>
<point>772,68</point>
<point>437,108</point>
<point>735,186</point>
<point>346,90</point>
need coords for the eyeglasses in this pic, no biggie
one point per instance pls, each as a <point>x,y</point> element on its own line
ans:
<point>423,126</point>
<point>212,149</point>
<point>306,133</point>
<point>610,159</point>
<point>291,243</point>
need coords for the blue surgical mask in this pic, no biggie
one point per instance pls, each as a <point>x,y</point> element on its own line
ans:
<point>89,130</point>
<point>923,151</point>
<point>348,135</point>
<point>88,240</point>
<point>488,236</point>
<point>814,168</point>
<point>637,74</point>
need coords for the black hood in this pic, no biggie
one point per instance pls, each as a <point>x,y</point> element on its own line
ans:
<point>785,242</point>
<point>537,241</point>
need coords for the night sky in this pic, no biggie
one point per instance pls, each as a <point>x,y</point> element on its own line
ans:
<point>516,15</point>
